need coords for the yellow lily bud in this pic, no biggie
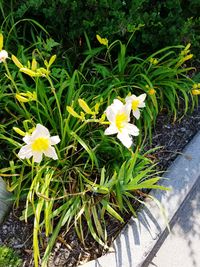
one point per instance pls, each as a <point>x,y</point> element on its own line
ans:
<point>52,59</point>
<point>20,132</point>
<point>96,107</point>
<point>187,46</point>
<point>28,64</point>
<point>187,57</point>
<point>195,86</point>
<point>43,72</point>
<point>82,116</point>
<point>73,113</point>
<point>103,117</point>
<point>153,61</point>
<point>17,62</point>
<point>85,107</point>
<point>46,63</point>
<point>1,41</point>
<point>34,64</point>
<point>32,96</point>
<point>196,92</point>
<point>21,98</point>
<point>29,72</point>
<point>26,97</point>
<point>31,130</point>
<point>103,41</point>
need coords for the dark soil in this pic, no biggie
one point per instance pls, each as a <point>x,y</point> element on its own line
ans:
<point>68,252</point>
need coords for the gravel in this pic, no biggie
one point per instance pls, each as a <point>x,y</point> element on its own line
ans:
<point>68,251</point>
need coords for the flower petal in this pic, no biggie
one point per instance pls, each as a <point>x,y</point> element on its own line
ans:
<point>136,113</point>
<point>25,152</point>
<point>110,114</point>
<point>141,105</point>
<point>125,139</point>
<point>130,98</point>
<point>37,156</point>
<point>132,129</point>
<point>113,109</point>
<point>51,153</point>
<point>54,140</point>
<point>40,131</point>
<point>27,139</point>
<point>142,97</point>
<point>112,129</point>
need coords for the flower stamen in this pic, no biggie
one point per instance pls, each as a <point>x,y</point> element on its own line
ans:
<point>40,144</point>
<point>121,120</point>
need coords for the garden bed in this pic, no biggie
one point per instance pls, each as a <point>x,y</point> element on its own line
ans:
<point>68,251</point>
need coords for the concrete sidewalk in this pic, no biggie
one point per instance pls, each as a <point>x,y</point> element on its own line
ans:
<point>145,235</point>
<point>182,245</point>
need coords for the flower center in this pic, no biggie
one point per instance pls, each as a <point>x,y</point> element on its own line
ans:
<point>40,144</point>
<point>135,104</point>
<point>121,120</point>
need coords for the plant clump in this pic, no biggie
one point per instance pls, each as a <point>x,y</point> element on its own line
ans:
<point>74,137</point>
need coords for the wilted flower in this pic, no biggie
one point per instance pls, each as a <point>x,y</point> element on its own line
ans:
<point>3,53</point>
<point>135,102</point>
<point>118,115</point>
<point>151,91</point>
<point>38,143</point>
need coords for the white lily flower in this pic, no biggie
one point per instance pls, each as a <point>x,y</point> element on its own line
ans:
<point>3,55</point>
<point>38,143</point>
<point>118,115</point>
<point>135,102</point>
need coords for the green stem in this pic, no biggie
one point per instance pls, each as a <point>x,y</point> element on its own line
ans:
<point>57,102</point>
<point>16,88</point>
<point>10,77</point>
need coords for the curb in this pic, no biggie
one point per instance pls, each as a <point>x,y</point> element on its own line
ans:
<point>142,237</point>
<point>5,201</point>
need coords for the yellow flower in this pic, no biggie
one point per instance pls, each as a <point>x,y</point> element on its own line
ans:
<point>26,97</point>
<point>187,57</point>
<point>32,68</point>
<point>103,41</point>
<point>85,106</point>
<point>153,61</point>
<point>196,91</point>
<point>19,131</point>
<point>195,86</point>
<point>73,112</point>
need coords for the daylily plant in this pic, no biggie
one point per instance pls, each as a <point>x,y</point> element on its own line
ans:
<point>38,143</point>
<point>118,115</point>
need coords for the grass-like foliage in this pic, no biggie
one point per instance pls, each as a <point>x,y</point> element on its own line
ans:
<point>58,136</point>
<point>9,258</point>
